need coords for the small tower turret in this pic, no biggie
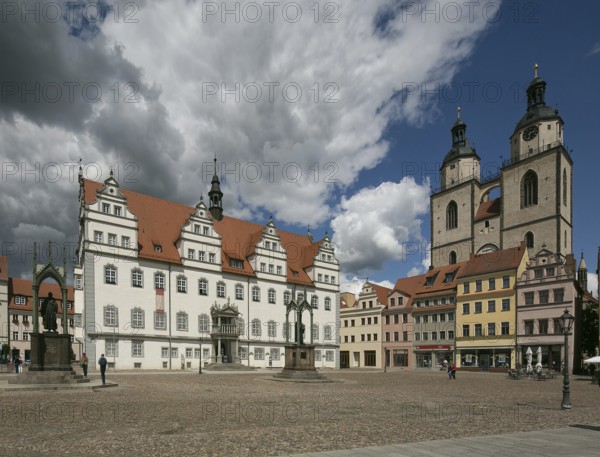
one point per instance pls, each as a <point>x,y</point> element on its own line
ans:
<point>216,196</point>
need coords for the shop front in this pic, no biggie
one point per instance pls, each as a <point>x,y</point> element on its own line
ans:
<point>485,359</point>
<point>433,356</point>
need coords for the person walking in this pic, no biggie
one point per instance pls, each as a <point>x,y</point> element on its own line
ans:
<point>453,371</point>
<point>103,362</point>
<point>84,364</point>
<point>17,364</point>
<point>449,367</point>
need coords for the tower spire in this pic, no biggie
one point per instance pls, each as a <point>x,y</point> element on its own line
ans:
<point>215,196</point>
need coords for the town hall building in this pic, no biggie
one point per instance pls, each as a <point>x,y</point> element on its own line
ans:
<point>165,285</point>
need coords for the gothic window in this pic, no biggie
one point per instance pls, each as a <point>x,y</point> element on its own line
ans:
<point>452,258</point>
<point>452,216</point>
<point>529,240</point>
<point>564,187</point>
<point>529,189</point>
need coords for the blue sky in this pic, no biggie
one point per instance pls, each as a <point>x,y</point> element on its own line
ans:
<point>160,88</point>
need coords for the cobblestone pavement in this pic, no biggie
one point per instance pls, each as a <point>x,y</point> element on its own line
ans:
<point>235,414</point>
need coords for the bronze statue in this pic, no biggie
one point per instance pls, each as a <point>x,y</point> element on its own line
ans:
<point>49,310</point>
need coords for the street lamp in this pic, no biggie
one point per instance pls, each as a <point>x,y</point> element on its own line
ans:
<point>200,359</point>
<point>566,323</point>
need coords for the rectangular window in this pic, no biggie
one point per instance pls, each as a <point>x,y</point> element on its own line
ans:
<point>556,325</point>
<point>205,231</point>
<point>201,256</point>
<point>271,296</point>
<point>239,292</point>
<point>197,353</point>
<point>442,335</point>
<point>137,348</point>
<point>320,277</point>
<point>329,356</point>
<point>529,327</point>
<point>112,348</point>
<point>164,352</point>
<point>450,317</point>
<point>110,316</point>
<point>425,336</point>
<point>466,288</point>
<point>492,284</point>
<point>271,268</point>
<point>387,336</point>
<point>279,270</point>
<point>550,271</point>
<point>159,281</point>
<point>182,284</point>
<point>442,317</point>
<point>465,330</point>
<point>450,334</point>
<point>191,254</point>
<point>397,318</point>
<point>137,278</point>
<point>117,210</point>
<point>197,228</point>
<point>538,273</point>
<point>504,328</point>
<point>174,353</point>
<point>478,330</point>
<point>160,321</point>
<point>97,237</point>
<point>211,257</point>
<point>434,336</point>
<point>478,285</point>
<point>559,295</point>
<point>478,307</point>
<point>466,308</point>
<point>105,208</point>
<point>203,287</point>
<point>392,301</point>
<point>417,336</point>
<point>255,294</point>
<point>543,326</point>
<point>112,239</point>
<point>543,296</point>
<point>529,298</point>
<point>259,354</point>
<point>491,329</point>
<point>506,304</point>
<point>491,306</point>
<point>125,241</point>
<point>505,282</point>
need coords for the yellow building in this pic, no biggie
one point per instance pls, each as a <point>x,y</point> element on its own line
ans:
<point>486,310</point>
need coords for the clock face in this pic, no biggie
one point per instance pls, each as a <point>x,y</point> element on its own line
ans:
<point>530,133</point>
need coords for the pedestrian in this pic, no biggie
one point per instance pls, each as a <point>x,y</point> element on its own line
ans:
<point>103,362</point>
<point>84,364</point>
<point>20,364</point>
<point>17,365</point>
<point>449,372</point>
<point>453,371</point>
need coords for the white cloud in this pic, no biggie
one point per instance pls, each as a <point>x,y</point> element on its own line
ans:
<point>377,224</point>
<point>425,263</point>
<point>316,149</point>
<point>595,49</point>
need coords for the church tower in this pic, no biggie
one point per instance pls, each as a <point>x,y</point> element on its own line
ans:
<point>537,180</point>
<point>452,206</point>
<point>216,196</point>
<point>582,274</point>
<point>535,187</point>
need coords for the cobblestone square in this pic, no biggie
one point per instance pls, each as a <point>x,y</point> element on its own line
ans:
<point>183,414</point>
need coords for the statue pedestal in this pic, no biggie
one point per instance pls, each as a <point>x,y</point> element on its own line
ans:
<point>50,352</point>
<point>300,365</point>
<point>50,361</point>
<point>300,357</point>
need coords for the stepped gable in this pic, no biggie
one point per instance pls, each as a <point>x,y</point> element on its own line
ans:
<point>160,222</point>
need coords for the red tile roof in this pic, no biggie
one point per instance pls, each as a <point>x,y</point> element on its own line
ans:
<point>23,287</point>
<point>381,292</point>
<point>505,259</point>
<point>488,209</point>
<point>3,268</point>
<point>160,222</point>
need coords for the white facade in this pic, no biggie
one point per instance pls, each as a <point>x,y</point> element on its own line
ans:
<point>155,314</point>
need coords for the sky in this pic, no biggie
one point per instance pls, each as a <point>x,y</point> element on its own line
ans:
<point>329,115</point>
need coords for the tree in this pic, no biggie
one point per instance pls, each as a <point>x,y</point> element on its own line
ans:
<point>589,338</point>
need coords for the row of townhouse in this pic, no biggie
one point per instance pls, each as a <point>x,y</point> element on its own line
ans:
<point>481,314</point>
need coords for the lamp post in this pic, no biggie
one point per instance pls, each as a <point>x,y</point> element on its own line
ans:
<point>566,323</point>
<point>200,359</point>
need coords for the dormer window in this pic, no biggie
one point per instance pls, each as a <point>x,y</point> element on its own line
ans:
<point>449,277</point>
<point>236,263</point>
<point>157,248</point>
<point>429,281</point>
<point>20,300</point>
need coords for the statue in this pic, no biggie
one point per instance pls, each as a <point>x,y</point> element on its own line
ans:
<point>49,310</point>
